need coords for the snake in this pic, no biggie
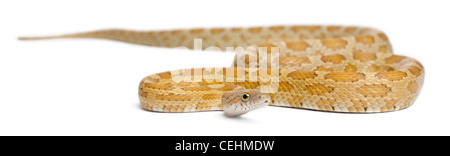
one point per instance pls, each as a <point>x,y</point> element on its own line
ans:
<point>329,68</point>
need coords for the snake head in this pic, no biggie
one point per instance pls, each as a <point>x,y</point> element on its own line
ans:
<point>235,103</point>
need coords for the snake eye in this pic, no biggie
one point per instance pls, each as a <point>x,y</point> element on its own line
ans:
<point>245,97</point>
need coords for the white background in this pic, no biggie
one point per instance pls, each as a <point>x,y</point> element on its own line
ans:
<point>89,87</point>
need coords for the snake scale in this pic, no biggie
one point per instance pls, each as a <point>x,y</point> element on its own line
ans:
<point>326,68</point>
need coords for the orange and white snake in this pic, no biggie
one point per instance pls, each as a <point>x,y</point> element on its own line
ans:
<point>327,68</point>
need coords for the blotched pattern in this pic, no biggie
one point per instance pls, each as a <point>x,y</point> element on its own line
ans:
<point>328,68</point>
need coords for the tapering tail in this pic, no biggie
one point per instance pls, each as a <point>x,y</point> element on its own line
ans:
<point>218,37</point>
<point>136,37</point>
<point>94,34</point>
<point>37,38</point>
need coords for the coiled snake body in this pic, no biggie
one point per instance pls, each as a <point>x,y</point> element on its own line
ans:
<point>327,68</point>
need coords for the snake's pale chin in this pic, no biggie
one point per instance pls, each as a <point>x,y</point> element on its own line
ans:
<point>236,103</point>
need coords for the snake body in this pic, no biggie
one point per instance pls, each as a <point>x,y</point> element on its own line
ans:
<point>326,68</point>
